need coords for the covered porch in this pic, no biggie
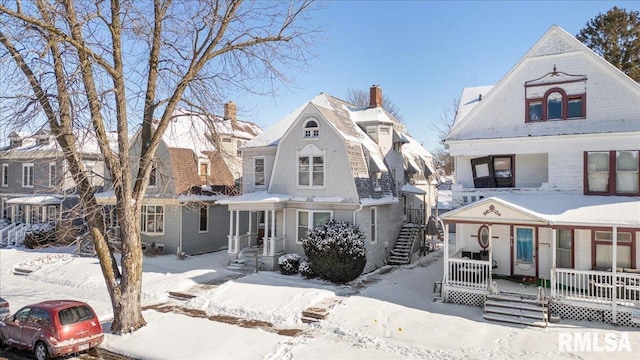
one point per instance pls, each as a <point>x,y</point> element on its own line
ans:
<point>257,225</point>
<point>580,250</point>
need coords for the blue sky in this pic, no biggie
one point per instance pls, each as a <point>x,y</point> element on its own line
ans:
<point>422,53</point>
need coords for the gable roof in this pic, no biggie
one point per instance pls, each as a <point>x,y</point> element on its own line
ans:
<point>554,42</point>
<point>552,209</point>
<point>470,98</point>
<point>86,142</point>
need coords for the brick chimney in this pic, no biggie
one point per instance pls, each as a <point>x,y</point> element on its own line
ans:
<point>375,96</point>
<point>230,111</point>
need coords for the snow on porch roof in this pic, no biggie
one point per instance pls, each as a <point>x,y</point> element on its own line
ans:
<point>407,188</point>
<point>567,209</point>
<point>35,200</point>
<point>255,197</point>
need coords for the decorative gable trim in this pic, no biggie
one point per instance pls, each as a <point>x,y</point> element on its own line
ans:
<point>554,44</point>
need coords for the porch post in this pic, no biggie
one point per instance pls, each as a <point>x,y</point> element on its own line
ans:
<point>236,239</point>
<point>230,245</point>
<point>490,256</point>
<point>265,238</point>
<point>446,255</point>
<point>614,276</point>
<point>250,230</point>
<point>553,262</point>
<point>272,245</point>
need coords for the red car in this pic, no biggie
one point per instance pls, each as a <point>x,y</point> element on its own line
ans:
<point>52,328</point>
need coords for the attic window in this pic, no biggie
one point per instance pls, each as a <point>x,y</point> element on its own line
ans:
<point>311,129</point>
<point>43,140</point>
<point>226,140</point>
<point>16,143</point>
<point>384,130</point>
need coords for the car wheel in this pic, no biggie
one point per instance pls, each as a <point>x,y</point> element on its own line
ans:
<point>40,351</point>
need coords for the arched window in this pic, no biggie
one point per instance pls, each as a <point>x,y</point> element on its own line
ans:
<point>556,105</point>
<point>311,129</point>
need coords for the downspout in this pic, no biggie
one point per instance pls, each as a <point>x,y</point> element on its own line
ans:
<point>180,232</point>
<point>355,211</point>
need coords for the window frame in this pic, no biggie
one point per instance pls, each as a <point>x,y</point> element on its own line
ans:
<point>144,219</point>
<point>311,132</point>
<point>53,170</point>
<point>373,226</point>
<point>153,176</point>
<point>204,207</point>
<point>310,172</point>
<point>544,100</point>
<point>310,225</point>
<point>207,173</point>
<point>31,176</point>
<point>490,180</point>
<point>595,242</point>
<point>481,230</point>
<point>612,176</point>
<point>5,175</point>
<point>256,172</point>
<point>571,246</point>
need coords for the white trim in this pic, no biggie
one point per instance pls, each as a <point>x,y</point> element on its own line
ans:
<point>314,131</point>
<point>26,166</point>
<point>200,231</point>
<point>5,175</point>
<point>310,155</point>
<point>143,216</point>
<point>264,172</point>
<point>373,238</point>
<point>309,220</point>
<point>52,179</point>
<point>533,244</point>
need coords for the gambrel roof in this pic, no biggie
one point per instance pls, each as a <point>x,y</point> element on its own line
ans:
<point>501,113</point>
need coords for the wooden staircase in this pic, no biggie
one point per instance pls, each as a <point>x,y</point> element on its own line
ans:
<point>517,309</point>
<point>401,252</point>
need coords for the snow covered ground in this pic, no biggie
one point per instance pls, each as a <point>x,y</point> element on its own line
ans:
<point>388,314</point>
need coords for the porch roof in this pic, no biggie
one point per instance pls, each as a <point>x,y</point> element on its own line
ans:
<point>258,197</point>
<point>35,200</point>
<point>407,188</point>
<point>552,209</point>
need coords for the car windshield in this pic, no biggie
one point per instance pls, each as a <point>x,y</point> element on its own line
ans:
<point>75,314</point>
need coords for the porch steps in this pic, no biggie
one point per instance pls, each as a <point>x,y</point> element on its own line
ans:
<point>401,252</point>
<point>511,308</point>
<point>246,261</point>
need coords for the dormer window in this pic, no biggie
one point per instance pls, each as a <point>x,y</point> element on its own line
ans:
<point>311,129</point>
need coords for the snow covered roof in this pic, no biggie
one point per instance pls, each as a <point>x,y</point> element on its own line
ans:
<point>470,97</point>
<point>255,197</point>
<point>408,188</point>
<point>413,151</point>
<point>557,209</point>
<point>35,200</point>
<point>86,142</point>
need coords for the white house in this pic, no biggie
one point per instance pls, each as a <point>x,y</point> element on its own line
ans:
<point>330,159</point>
<point>547,176</point>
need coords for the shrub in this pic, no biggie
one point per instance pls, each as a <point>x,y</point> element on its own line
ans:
<point>336,251</point>
<point>38,238</point>
<point>306,270</point>
<point>289,264</point>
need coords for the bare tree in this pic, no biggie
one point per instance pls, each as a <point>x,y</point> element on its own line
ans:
<point>361,98</point>
<point>442,126</point>
<point>106,65</point>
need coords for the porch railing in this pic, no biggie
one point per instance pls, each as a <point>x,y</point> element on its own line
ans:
<point>598,286</point>
<point>473,274</point>
<point>234,242</point>
<point>415,216</point>
<point>273,245</point>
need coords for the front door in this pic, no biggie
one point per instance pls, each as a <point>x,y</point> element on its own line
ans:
<point>524,252</point>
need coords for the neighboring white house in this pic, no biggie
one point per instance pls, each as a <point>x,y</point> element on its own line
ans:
<point>547,173</point>
<point>329,159</point>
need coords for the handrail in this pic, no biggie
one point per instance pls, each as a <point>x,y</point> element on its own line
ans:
<point>468,273</point>
<point>598,286</point>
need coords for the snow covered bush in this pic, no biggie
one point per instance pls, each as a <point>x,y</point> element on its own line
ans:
<point>306,270</point>
<point>336,251</point>
<point>289,264</point>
